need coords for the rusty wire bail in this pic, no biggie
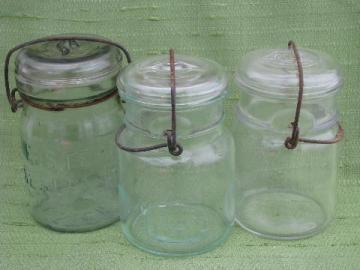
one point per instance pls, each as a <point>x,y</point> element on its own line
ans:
<point>174,148</point>
<point>64,45</point>
<point>292,142</point>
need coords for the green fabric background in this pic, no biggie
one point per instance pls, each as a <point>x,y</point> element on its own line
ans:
<point>223,30</point>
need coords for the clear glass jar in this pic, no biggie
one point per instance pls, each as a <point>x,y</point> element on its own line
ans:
<point>176,205</point>
<point>70,160</point>
<point>281,193</point>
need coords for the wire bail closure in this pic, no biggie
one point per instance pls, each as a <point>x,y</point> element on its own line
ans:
<point>292,142</point>
<point>174,148</point>
<point>66,42</point>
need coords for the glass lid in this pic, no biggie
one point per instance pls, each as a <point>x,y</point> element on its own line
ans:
<point>198,81</point>
<point>273,72</point>
<point>67,70</point>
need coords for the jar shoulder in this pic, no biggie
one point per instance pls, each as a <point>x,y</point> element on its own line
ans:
<point>214,146</point>
<point>72,124</point>
<point>276,115</point>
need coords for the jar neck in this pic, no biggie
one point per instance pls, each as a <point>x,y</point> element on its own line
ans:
<point>61,93</point>
<point>189,122</point>
<point>277,114</point>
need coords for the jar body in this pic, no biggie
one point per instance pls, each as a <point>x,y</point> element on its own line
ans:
<point>70,165</point>
<point>177,205</point>
<point>281,193</point>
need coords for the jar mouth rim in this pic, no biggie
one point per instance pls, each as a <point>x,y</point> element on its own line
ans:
<point>65,83</point>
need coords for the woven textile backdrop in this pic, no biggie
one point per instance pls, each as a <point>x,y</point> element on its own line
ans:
<point>223,30</point>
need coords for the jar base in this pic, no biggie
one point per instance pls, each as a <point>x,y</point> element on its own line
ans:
<point>281,215</point>
<point>176,229</point>
<point>71,228</point>
<point>82,214</point>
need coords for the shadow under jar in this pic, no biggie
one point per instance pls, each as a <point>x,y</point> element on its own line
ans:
<point>176,205</point>
<point>70,167</point>
<point>281,193</point>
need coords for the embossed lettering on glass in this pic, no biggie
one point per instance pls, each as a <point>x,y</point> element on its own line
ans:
<point>70,112</point>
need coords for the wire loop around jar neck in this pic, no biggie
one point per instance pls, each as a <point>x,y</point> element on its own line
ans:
<point>56,106</point>
<point>174,148</point>
<point>11,94</point>
<point>292,142</point>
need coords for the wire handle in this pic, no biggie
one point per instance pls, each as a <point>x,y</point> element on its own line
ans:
<point>291,142</point>
<point>174,148</point>
<point>71,39</point>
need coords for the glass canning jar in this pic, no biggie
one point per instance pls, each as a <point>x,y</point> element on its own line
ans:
<point>70,114</point>
<point>176,205</point>
<point>282,193</point>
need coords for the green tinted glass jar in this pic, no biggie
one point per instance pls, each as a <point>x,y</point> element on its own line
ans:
<point>176,205</point>
<point>281,193</point>
<point>70,113</point>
